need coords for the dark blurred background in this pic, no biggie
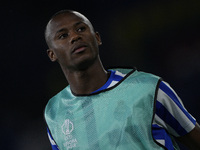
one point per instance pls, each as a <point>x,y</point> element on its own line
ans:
<point>160,37</point>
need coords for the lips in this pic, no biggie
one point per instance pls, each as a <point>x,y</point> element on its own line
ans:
<point>79,48</point>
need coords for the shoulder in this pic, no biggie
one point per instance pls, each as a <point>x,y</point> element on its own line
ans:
<point>146,78</point>
<point>54,101</point>
<point>134,73</point>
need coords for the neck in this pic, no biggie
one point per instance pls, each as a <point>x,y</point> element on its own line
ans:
<point>88,80</point>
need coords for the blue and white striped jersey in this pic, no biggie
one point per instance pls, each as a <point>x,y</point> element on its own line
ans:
<point>171,118</point>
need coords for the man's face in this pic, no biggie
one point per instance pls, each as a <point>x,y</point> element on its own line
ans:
<point>72,41</point>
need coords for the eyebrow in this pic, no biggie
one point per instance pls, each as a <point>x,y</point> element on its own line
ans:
<point>64,29</point>
<point>80,22</point>
<point>61,30</point>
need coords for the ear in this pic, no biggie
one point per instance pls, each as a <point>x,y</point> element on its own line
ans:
<point>51,55</point>
<point>98,37</point>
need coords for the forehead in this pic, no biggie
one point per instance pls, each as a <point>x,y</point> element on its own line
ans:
<point>66,20</point>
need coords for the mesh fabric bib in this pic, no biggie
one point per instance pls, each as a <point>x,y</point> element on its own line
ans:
<point>119,118</point>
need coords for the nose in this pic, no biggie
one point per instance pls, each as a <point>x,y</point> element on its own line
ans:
<point>74,37</point>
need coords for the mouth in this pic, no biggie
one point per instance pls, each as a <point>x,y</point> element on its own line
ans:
<point>79,49</point>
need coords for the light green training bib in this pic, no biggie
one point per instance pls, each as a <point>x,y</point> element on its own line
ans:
<point>119,118</point>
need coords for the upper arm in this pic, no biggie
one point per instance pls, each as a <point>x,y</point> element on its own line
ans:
<point>192,139</point>
<point>174,118</point>
<point>170,112</point>
<point>53,143</point>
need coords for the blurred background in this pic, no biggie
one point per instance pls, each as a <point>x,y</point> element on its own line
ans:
<point>160,37</point>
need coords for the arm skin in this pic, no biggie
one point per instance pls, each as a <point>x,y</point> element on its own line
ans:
<point>192,139</point>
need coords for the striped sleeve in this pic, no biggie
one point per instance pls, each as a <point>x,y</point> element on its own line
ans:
<point>53,144</point>
<point>170,112</point>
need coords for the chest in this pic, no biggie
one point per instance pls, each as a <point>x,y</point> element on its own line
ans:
<point>121,117</point>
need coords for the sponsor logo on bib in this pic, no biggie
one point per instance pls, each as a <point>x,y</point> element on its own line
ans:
<point>70,141</point>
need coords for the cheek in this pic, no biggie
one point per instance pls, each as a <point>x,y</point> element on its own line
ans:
<point>62,55</point>
<point>61,48</point>
<point>94,43</point>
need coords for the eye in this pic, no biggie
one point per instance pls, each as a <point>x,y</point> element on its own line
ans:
<point>81,29</point>
<point>63,35</point>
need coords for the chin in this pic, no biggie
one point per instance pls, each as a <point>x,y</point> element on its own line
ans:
<point>84,64</point>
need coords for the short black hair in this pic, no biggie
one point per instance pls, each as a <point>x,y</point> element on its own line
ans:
<point>64,11</point>
<point>53,16</point>
<point>61,12</point>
